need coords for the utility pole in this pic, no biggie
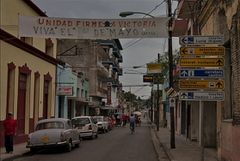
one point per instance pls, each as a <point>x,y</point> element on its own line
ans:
<point>152,104</point>
<point>170,64</point>
<point>157,75</point>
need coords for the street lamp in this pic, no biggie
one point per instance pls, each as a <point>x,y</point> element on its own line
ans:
<point>170,62</point>
<point>129,13</point>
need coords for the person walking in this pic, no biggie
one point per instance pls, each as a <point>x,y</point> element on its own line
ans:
<point>9,125</point>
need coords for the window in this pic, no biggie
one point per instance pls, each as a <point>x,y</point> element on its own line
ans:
<point>49,47</point>
<point>50,125</point>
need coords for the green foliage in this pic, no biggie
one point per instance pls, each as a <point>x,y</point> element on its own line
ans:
<point>130,97</point>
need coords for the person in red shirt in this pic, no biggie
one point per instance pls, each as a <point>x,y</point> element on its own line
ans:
<point>9,125</point>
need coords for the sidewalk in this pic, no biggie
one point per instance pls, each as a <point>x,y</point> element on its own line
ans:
<point>185,150</point>
<point>18,150</point>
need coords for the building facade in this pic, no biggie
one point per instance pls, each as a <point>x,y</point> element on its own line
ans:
<point>28,68</point>
<point>88,57</point>
<point>221,118</point>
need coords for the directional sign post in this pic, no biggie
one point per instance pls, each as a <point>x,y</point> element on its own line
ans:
<point>201,73</point>
<point>202,51</point>
<point>201,84</point>
<point>202,40</point>
<point>201,62</point>
<point>201,95</point>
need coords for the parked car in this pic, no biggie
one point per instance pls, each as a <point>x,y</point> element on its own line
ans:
<point>54,132</point>
<point>102,123</point>
<point>85,126</point>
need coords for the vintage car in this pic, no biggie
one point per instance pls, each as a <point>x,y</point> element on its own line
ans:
<point>54,132</point>
<point>85,126</point>
<point>102,123</point>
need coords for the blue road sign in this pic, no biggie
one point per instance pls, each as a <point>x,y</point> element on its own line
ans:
<point>202,95</point>
<point>202,73</point>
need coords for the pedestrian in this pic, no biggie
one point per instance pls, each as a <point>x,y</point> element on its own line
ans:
<point>9,125</point>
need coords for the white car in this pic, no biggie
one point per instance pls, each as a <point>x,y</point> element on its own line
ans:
<point>51,133</point>
<point>102,123</point>
<point>85,126</point>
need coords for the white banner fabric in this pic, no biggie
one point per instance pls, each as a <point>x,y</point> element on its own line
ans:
<point>49,27</point>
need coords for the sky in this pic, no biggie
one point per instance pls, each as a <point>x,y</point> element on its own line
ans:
<point>136,52</point>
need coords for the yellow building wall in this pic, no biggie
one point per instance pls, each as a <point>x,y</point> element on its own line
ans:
<point>19,57</point>
<point>10,11</point>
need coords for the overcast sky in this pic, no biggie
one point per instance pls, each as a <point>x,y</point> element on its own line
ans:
<point>135,52</point>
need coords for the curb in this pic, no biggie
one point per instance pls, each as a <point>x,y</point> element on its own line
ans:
<point>164,147</point>
<point>160,151</point>
<point>11,158</point>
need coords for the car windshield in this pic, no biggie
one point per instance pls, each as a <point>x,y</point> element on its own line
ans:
<point>50,125</point>
<point>80,121</point>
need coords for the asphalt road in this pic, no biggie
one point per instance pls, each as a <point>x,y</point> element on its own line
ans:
<point>116,145</point>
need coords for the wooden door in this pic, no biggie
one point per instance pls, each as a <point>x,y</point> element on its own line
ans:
<point>21,103</point>
<point>45,99</point>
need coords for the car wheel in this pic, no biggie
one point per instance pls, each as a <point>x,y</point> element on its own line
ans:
<point>33,150</point>
<point>69,147</point>
<point>92,137</point>
<point>77,145</point>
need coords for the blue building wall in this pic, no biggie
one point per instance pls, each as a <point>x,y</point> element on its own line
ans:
<point>65,77</point>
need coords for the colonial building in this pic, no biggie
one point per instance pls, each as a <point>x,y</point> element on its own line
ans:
<point>27,72</point>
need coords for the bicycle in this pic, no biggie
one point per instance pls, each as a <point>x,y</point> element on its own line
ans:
<point>132,129</point>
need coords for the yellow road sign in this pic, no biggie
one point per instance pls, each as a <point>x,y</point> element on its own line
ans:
<point>201,84</point>
<point>153,68</point>
<point>201,62</point>
<point>187,51</point>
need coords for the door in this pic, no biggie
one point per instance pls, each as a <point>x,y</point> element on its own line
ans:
<point>45,99</point>
<point>21,103</point>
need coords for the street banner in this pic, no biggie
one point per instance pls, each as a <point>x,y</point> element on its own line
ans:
<point>201,95</point>
<point>69,28</point>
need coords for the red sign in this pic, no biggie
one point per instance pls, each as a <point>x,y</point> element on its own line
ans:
<point>65,90</point>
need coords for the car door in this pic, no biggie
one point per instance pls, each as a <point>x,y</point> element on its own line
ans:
<point>73,132</point>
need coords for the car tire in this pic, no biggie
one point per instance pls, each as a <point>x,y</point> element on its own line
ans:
<point>93,136</point>
<point>69,146</point>
<point>77,145</point>
<point>33,150</point>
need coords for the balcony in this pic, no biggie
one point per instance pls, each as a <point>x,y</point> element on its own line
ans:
<point>102,69</point>
<point>120,59</point>
<point>116,53</point>
<point>120,73</point>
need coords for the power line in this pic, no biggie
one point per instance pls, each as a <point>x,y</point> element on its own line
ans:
<point>136,41</point>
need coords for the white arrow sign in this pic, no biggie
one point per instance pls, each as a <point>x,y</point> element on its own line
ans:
<point>214,39</point>
<point>202,95</point>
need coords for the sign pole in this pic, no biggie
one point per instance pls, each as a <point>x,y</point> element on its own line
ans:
<point>170,59</point>
<point>158,115</point>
